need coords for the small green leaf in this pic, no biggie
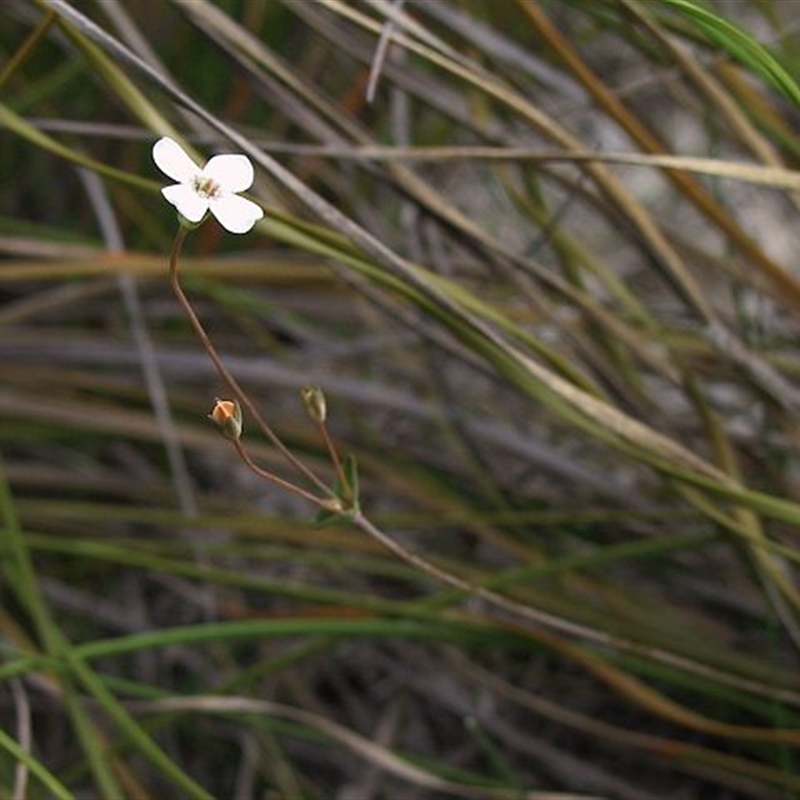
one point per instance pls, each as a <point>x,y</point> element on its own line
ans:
<point>327,517</point>
<point>350,492</point>
<point>346,495</point>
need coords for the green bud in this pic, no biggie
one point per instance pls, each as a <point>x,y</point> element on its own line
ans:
<point>314,400</point>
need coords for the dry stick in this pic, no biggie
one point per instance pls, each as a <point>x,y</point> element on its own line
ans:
<point>225,374</point>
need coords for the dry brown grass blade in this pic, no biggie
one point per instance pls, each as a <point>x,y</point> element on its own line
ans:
<point>664,451</point>
<point>570,402</point>
<point>650,143</point>
<point>712,90</point>
<point>243,46</point>
<point>679,754</point>
<point>380,756</point>
<point>607,183</point>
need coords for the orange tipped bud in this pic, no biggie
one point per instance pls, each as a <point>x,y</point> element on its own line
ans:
<point>227,416</point>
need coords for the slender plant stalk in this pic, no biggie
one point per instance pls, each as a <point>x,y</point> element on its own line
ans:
<point>26,48</point>
<point>283,484</point>
<point>507,604</point>
<point>224,372</point>
<point>335,460</point>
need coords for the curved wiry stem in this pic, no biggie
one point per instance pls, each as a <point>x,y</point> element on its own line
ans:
<point>223,371</point>
<point>326,503</point>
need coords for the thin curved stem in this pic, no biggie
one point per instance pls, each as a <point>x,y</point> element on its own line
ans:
<point>272,478</point>
<point>223,371</point>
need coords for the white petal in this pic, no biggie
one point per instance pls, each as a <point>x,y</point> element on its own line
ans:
<point>236,214</point>
<point>234,173</point>
<point>174,161</point>
<point>187,201</point>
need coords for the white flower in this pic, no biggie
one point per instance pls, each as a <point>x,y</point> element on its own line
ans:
<point>212,188</point>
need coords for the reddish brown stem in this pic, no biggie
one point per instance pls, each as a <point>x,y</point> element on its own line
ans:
<point>336,461</point>
<point>223,371</point>
<point>269,476</point>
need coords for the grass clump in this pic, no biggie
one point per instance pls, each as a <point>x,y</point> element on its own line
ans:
<point>506,502</point>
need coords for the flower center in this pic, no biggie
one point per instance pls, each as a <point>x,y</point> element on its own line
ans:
<point>206,187</point>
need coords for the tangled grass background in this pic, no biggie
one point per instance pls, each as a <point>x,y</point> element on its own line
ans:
<point>542,259</point>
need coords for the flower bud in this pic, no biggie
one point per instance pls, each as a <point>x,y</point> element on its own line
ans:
<point>314,399</point>
<point>227,416</point>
